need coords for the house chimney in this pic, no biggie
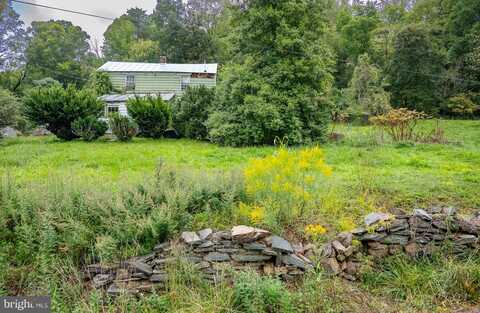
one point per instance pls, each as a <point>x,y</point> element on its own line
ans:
<point>163,60</point>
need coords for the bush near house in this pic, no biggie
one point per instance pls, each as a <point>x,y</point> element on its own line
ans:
<point>190,112</point>
<point>123,127</point>
<point>58,107</point>
<point>153,115</point>
<point>89,128</point>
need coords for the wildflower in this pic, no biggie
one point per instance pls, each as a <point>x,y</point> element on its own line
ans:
<point>303,164</point>
<point>309,179</point>
<point>315,230</point>
<point>327,171</point>
<point>257,215</point>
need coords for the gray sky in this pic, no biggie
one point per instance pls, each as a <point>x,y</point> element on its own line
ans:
<point>95,27</point>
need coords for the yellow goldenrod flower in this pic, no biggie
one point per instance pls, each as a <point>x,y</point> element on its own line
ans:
<point>309,179</point>
<point>315,230</point>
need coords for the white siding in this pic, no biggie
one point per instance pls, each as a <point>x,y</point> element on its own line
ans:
<point>157,82</point>
<point>122,108</point>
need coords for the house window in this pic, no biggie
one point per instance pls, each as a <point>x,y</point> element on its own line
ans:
<point>203,75</point>
<point>130,83</point>
<point>185,82</point>
<point>111,109</point>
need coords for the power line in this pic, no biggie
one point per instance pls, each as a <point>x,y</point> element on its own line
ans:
<point>63,10</point>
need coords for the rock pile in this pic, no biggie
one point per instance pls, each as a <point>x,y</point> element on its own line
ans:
<point>418,233</point>
<point>212,253</point>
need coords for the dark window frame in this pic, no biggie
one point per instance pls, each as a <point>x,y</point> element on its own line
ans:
<point>130,82</point>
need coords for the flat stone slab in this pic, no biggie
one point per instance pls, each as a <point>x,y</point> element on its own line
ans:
<point>422,214</point>
<point>140,267</point>
<point>206,244</point>
<point>190,237</point>
<point>374,218</point>
<point>269,252</point>
<point>245,234</point>
<point>217,257</point>
<point>465,239</point>
<point>251,257</point>
<point>255,246</point>
<point>395,240</point>
<point>159,278</point>
<point>205,233</point>
<point>280,244</point>
<point>293,260</point>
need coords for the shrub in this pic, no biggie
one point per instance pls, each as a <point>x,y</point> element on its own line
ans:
<point>58,107</point>
<point>191,112</point>
<point>461,106</point>
<point>9,109</point>
<point>152,114</point>
<point>46,82</point>
<point>400,124</point>
<point>123,127</point>
<point>89,128</point>
<point>286,183</point>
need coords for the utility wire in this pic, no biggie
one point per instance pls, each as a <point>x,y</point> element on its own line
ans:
<point>63,10</point>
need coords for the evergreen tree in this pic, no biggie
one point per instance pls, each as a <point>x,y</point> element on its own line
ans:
<point>282,72</point>
<point>415,70</point>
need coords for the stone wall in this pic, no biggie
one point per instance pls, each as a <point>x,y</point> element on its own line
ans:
<point>417,233</point>
<point>217,254</point>
<point>214,254</point>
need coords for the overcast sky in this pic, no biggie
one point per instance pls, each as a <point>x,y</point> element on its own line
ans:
<point>95,27</point>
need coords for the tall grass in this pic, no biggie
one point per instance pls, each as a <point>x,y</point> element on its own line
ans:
<point>428,282</point>
<point>53,227</point>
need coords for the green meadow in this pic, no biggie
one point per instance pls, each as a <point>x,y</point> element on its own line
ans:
<point>393,174</point>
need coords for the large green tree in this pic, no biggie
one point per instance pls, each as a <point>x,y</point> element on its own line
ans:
<point>59,50</point>
<point>463,25</point>
<point>355,28</point>
<point>415,70</point>
<point>119,37</point>
<point>281,73</point>
<point>181,38</point>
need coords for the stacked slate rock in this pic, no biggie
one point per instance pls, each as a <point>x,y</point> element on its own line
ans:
<point>214,254</point>
<point>416,234</point>
<point>341,257</point>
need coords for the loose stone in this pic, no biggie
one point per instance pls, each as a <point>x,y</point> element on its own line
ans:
<point>280,244</point>
<point>205,234</point>
<point>190,237</point>
<point>101,280</point>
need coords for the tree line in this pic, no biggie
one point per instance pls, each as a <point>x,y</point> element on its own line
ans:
<point>287,67</point>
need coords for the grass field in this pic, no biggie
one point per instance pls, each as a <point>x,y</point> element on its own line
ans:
<point>393,174</point>
<point>66,203</point>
